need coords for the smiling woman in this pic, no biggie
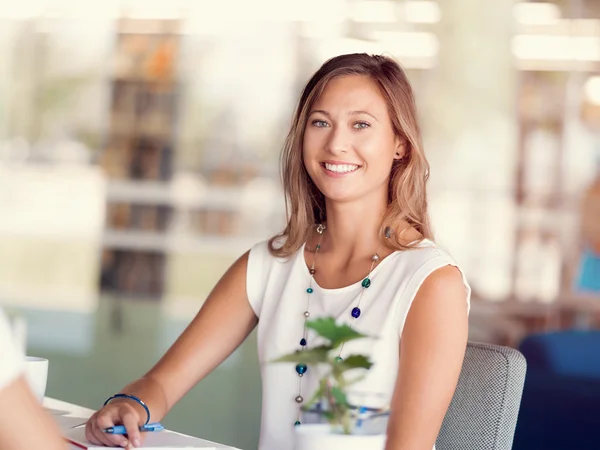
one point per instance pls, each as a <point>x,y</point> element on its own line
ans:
<point>354,176</point>
<point>356,248</point>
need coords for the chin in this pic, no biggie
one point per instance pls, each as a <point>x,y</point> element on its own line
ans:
<point>353,192</point>
<point>339,196</point>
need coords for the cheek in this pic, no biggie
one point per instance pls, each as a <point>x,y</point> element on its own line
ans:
<point>309,137</point>
<point>310,146</point>
<point>377,152</point>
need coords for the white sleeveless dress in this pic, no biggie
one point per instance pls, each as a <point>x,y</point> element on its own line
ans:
<point>276,291</point>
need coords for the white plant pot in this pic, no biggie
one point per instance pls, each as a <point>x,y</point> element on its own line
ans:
<point>321,437</point>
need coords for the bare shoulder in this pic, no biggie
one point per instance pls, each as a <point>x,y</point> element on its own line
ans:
<point>447,280</point>
<point>236,274</point>
<point>441,298</point>
<point>241,264</point>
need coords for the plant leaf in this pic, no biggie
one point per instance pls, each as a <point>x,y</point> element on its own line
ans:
<point>313,356</point>
<point>351,362</point>
<point>339,396</point>
<point>356,380</point>
<point>336,334</point>
<point>329,416</point>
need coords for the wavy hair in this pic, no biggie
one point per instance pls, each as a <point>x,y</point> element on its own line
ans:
<point>407,198</point>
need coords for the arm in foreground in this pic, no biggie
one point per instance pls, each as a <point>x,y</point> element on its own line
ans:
<point>23,423</point>
<point>221,325</point>
<point>432,349</point>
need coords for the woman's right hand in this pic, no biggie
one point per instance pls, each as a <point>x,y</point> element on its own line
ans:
<point>117,412</point>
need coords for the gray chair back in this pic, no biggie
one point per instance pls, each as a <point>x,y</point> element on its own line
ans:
<point>484,410</point>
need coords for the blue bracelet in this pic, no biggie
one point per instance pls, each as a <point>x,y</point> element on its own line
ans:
<point>132,397</point>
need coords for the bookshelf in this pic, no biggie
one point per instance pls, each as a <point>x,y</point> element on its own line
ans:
<point>140,150</point>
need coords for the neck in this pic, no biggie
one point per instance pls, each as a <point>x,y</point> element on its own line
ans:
<point>354,228</point>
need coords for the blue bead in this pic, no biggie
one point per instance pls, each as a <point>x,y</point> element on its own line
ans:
<point>309,290</point>
<point>302,342</point>
<point>339,359</point>
<point>301,369</point>
<point>297,423</point>
<point>366,283</point>
<point>356,313</point>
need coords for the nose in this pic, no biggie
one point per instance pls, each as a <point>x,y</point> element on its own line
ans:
<point>338,141</point>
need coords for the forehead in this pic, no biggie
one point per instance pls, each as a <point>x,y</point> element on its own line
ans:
<point>352,93</point>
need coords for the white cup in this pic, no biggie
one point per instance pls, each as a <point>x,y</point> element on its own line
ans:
<point>19,332</point>
<point>36,374</point>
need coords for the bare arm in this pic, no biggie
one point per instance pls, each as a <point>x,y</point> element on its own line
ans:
<point>432,349</point>
<point>221,325</point>
<point>23,423</point>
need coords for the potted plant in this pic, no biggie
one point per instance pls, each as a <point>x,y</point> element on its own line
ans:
<point>342,431</point>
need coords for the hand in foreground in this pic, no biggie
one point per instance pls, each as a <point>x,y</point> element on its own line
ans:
<point>117,412</point>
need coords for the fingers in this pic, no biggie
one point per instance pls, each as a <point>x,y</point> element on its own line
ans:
<point>105,418</point>
<point>88,430</point>
<point>130,421</point>
<point>92,433</point>
<point>110,440</point>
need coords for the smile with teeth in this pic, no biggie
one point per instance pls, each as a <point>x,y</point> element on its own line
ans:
<point>341,168</point>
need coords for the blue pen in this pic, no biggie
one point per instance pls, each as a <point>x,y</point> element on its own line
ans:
<point>120,429</point>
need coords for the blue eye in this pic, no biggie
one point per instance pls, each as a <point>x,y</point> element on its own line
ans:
<point>361,125</point>
<point>319,123</point>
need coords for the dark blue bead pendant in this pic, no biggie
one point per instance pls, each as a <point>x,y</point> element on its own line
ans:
<point>302,342</point>
<point>356,312</point>
<point>301,369</point>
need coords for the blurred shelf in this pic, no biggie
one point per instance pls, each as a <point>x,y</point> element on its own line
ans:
<point>140,192</point>
<point>135,240</point>
<point>142,79</point>
<point>221,198</point>
<point>176,242</point>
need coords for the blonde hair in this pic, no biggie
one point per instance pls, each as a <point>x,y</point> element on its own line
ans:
<point>407,200</point>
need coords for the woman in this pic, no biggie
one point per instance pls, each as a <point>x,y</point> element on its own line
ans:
<point>23,423</point>
<point>354,177</point>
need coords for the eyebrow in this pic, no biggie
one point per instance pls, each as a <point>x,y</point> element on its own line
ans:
<point>352,113</point>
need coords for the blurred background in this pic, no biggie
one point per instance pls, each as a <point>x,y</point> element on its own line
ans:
<point>139,146</point>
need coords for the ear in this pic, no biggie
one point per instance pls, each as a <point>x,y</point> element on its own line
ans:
<point>400,148</point>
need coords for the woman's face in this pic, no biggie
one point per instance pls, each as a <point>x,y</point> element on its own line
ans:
<point>349,142</point>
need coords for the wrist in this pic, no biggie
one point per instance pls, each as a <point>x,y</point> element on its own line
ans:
<point>136,402</point>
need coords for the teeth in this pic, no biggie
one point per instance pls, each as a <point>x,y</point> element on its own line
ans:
<point>341,168</point>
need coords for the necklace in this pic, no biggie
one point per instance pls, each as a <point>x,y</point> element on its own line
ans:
<point>301,369</point>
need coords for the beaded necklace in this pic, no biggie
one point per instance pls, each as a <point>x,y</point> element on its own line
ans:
<point>301,369</point>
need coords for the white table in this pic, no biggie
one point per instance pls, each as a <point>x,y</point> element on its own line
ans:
<point>79,411</point>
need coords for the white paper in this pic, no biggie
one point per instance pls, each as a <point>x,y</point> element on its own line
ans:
<point>56,412</point>
<point>162,440</point>
<point>65,423</point>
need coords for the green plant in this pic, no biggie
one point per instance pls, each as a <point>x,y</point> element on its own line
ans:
<point>333,385</point>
